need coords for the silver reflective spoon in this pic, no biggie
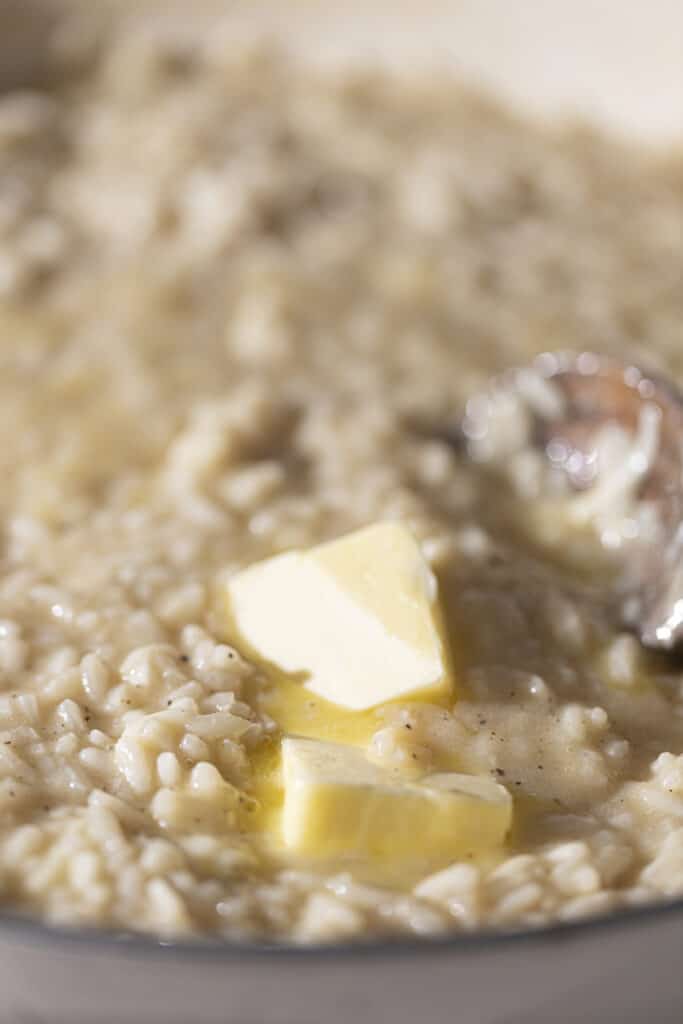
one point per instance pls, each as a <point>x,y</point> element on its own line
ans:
<point>576,410</point>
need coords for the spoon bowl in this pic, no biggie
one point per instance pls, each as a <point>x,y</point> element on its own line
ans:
<point>612,435</point>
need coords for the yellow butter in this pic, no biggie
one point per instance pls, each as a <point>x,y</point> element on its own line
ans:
<point>356,621</point>
<point>338,804</point>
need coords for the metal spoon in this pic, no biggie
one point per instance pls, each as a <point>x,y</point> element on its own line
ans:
<point>571,408</point>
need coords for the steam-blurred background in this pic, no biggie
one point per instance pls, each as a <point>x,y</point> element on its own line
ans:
<point>619,62</point>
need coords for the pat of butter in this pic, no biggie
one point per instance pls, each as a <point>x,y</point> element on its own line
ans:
<point>338,804</point>
<point>357,620</point>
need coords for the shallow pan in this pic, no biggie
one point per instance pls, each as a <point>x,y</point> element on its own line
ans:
<point>617,64</point>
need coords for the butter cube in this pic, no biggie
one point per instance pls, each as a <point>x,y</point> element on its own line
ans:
<point>338,804</point>
<point>357,619</point>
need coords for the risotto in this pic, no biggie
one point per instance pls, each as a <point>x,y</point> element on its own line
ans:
<point>230,288</point>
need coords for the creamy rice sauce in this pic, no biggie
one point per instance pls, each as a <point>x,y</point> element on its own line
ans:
<point>230,288</point>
